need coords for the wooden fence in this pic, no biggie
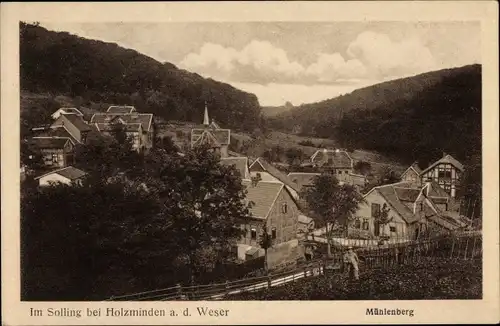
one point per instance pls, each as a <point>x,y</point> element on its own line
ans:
<point>458,246</point>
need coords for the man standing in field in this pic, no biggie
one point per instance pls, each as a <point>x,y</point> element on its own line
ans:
<point>352,261</point>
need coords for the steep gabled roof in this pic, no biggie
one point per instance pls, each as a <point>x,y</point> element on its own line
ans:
<point>263,195</point>
<point>275,173</point>
<point>222,136</point>
<point>334,158</point>
<point>78,122</point>
<point>447,159</point>
<point>129,127</point>
<point>58,132</point>
<point>407,194</point>
<point>391,197</point>
<point>145,119</point>
<point>413,167</point>
<point>68,172</point>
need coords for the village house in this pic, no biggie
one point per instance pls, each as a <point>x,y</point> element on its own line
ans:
<point>55,151</point>
<point>273,205</point>
<point>239,163</point>
<point>446,172</point>
<point>412,175</point>
<point>411,211</point>
<point>67,175</point>
<point>211,134</point>
<point>139,127</point>
<point>74,125</point>
<point>339,163</point>
<point>260,168</point>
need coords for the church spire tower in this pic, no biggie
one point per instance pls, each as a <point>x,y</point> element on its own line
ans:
<point>206,121</point>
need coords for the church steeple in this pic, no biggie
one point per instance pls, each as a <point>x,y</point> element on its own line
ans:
<point>206,120</point>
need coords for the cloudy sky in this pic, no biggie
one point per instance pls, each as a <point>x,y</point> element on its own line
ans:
<point>297,62</point>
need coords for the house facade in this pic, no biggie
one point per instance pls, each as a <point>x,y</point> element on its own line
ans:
<point>412,175</point>
<point>74,125</point>
<point>55,151</point>
<point>446,172</point>
<point>263,170</point>
<point>410,212</point>
<point>274,206</point>
<point>139,126</point>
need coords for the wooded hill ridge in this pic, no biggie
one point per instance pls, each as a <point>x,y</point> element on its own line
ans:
<point>63,64</point>
<point>413,118</point>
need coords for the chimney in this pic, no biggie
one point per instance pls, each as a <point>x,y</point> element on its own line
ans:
<point>256,179</point>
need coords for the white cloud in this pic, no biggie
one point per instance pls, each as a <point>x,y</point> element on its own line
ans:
<point>332,67</point>
<point>369,56</point>
<point>385,57</point>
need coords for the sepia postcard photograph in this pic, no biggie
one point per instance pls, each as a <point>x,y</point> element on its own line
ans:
<point>237,163</point>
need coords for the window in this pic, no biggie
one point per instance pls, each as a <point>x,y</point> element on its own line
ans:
<point>375,210</point>
<point>273,233</point>
<point>340,172</point>
<point>253,233</point>
<point>284,208</point>
<point>54,158</point>
<point>357,224</point>
<point>366,226</point>
<point>392,229</point>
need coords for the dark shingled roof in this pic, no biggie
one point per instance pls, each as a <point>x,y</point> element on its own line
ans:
<point>145,119</point>
<point>78,122</point>
<point>333,158</point>
<point>276,173</point>
<point>263,195</point>
<point>407,194</point>
<point>55,132</point>
<point>131,127</point>
<point>390,195</point>
<point>49,143</point>
<point>240,163</point>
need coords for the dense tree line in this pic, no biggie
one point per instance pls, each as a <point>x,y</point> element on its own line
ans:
<point>61,63</point>
<point>138,221</point>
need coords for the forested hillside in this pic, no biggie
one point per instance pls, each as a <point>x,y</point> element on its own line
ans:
<point>59,63</point>
<point>411,118</point>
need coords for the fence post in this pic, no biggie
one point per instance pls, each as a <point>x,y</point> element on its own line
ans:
<point>268,281</point>
<point>227,288</point>
<point>473,247</point>
<point>179,290</point>
<point>466,247</point>
<point>452,246</point>
<point>305,272</point>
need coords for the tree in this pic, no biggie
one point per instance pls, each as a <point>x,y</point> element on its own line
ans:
<point>362,167</point>
<point>204,203</point>
<point>333,204</point>
<point>31,156</point>
<point>266,242</point>
<point>294,155</point>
